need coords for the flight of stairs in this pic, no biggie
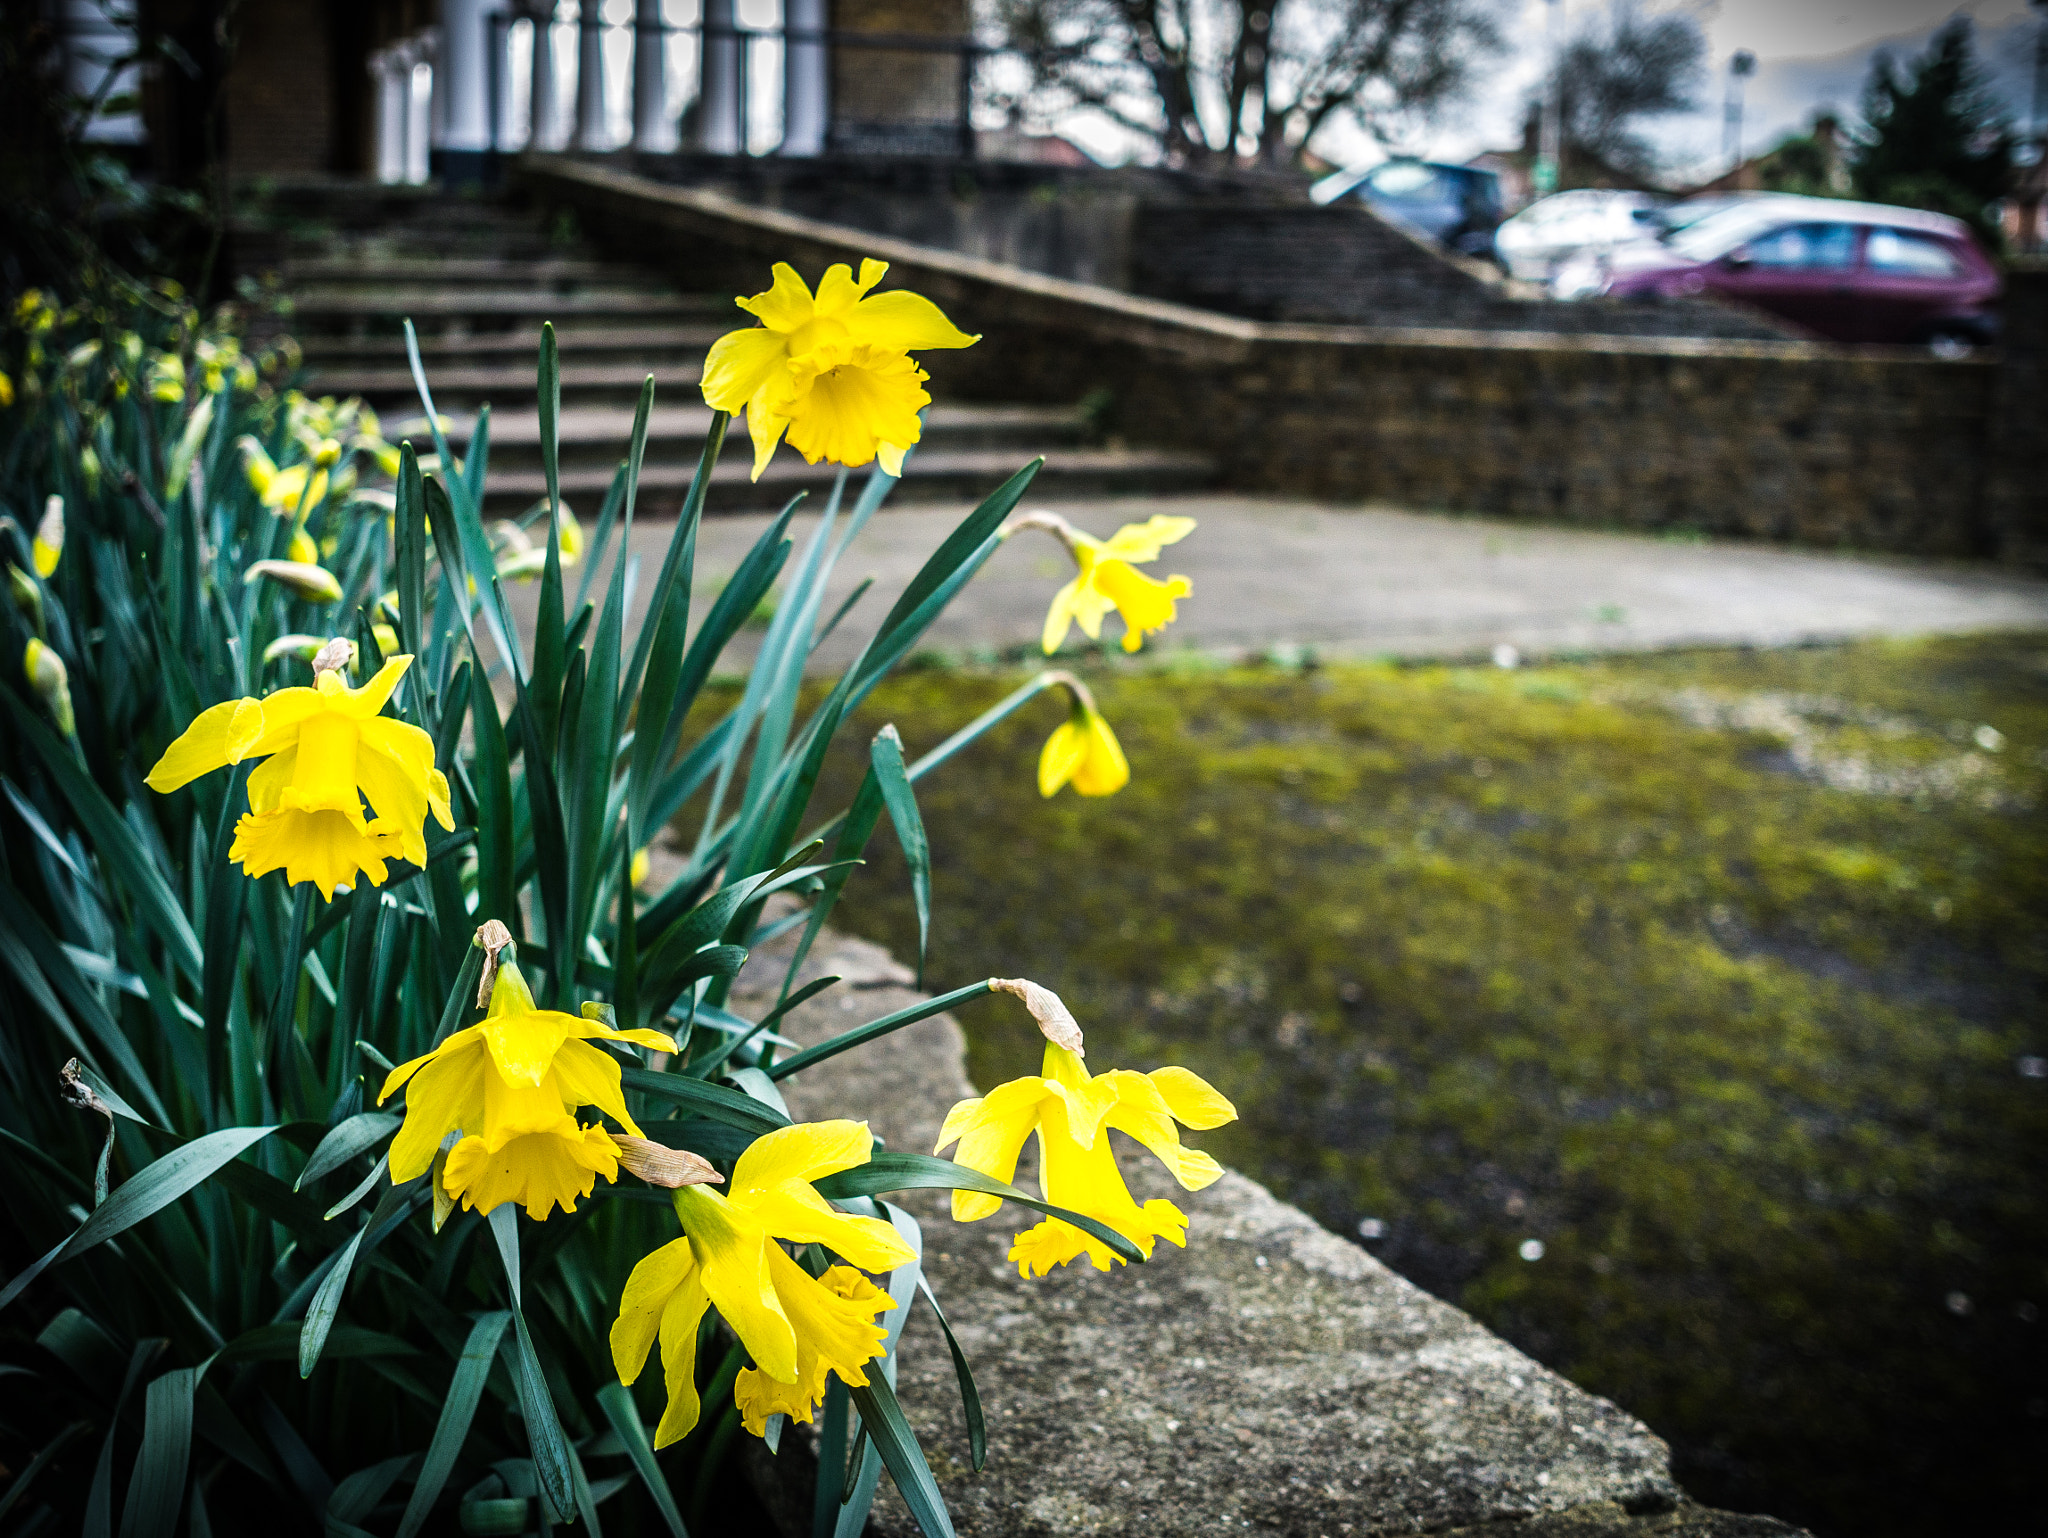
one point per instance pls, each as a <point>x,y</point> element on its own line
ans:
<point>478,277</point>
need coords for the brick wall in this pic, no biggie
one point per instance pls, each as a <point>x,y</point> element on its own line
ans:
<point>1779,440</point>
<point>1346,264</point>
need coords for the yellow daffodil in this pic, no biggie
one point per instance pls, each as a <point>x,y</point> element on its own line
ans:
<point>6,390</point>
<point>1073,1115</point>
<point>799,1329</point>
<point>48,545</point>
<point>1083,751</point>
<point>303,579</point>
<point>833,371</point>
<point>1108,580</point>
<point>50,679</point>
<point>328,749</point>
<point>284,492</point>
<point>511,1086</point>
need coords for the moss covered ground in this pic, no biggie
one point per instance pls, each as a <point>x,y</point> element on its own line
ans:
<point>1718,976</point>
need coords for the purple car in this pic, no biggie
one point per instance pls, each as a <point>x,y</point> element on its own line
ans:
<point>1847,272</point>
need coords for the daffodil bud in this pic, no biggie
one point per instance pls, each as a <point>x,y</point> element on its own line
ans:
<point>336,656</point>
<point>6,390</point>
<point>48,544</point>
<point>89,468</point>
<point>47,676</point>
<point>1056,1022</point>
<point>302,579</point>
<point>659,1165</point>
<point>387,638</point>
<point>26,594</point>
<point>326,452</point>
<point>302,548</point>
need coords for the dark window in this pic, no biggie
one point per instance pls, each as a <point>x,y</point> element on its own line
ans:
<point>1806,245</point>
<point>1909,255</point>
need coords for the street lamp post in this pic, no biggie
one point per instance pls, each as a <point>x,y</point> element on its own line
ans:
<point>1740,67</point>
<point>1550,142</point>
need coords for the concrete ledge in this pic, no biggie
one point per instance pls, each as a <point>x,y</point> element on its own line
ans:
<point>1271,1378</point>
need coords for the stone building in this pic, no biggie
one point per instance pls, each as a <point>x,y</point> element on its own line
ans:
<point>408,90</point>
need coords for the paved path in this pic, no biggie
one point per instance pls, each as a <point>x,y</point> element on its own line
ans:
<point>1376,581</point>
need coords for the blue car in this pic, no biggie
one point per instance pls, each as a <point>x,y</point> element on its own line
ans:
<point>1456,206</point>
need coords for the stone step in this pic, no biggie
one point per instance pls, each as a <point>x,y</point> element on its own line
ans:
<point>417,268</point>
<point>930,475</point>
<point>519,346</point>
<point>596,437</point>
<point>468,385</point>
<point>496,306</point>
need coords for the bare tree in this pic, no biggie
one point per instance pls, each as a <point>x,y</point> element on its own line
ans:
<point>1245,80</point>
<point>1614,74</point>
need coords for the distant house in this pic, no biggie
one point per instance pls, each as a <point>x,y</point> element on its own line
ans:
<point>1578,167</point>
<point>1815,163</point>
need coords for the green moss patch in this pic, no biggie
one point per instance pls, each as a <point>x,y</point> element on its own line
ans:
<point>1717,976</point>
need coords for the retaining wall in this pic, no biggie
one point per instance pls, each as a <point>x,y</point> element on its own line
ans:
<point>1880,449</point>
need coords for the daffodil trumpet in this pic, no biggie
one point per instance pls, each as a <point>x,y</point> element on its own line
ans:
<point>1109,578</point>
<point>832,371</point>
<point>510,1090</point>
<point>1082,751</point>
<point>1072,1113</point>
<point>798,1329</point>
<point>327,749</point>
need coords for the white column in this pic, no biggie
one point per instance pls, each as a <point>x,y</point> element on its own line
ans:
<point>391,70</point>
<point>653,129</point>
<point>419,110</point>
<point>592,132</point>
<point>805,103</point>
<point>718,98</point>
<point>550,128</point>
<point>462,100</point>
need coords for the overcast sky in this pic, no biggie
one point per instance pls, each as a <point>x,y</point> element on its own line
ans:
<point>1810,53</point>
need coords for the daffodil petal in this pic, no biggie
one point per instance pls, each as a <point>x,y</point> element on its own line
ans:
<point>784,306</point>
<point>1192,1099</point>
<point>805,1152</point>
<point>739,363</point>
<point>904,322</point>
<point>217,737</point>
<point>648,1290</point>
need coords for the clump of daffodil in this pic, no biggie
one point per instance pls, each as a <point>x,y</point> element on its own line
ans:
<point>832,371</point>
<point>328,750</point>
<point>798,1328</point>
<point>292,491</point>
<point>1082,751</point>
<point>511,1087</point>
<point>1109,579</point>
<point>48,545</point>
<point>1073,1114</point>
<point>50,679</point>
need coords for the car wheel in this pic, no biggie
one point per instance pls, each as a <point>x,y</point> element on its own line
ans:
<point>1951,346</point>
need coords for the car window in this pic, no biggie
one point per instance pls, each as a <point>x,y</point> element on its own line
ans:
<point>1904,254</point>
<point>1806,245</point>
<point>1403,181</point>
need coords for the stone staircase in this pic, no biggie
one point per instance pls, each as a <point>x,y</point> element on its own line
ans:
<point>477,278</point>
